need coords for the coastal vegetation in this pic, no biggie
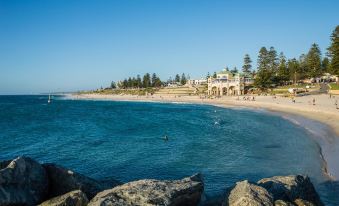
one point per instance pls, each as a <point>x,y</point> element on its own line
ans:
<point>334,86</point>
<point>274,70</point>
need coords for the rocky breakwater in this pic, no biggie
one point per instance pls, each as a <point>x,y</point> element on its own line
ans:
<point>23,181</point>
<point>293,190</point>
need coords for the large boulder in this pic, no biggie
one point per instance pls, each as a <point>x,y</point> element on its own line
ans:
<point>153,192</point>
<point>63,181</point>
<point>23,181</point>
<point>248,194</point>
<point>74,198</point>
<point>293,188</point>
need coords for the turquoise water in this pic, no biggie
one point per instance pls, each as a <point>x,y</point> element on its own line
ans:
<point>123,140</point>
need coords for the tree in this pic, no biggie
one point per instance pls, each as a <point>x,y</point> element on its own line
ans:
<point>294,68</point>
<point>303,69</point>
<point>234,70</point>
<point>333,51</point>
<point>283,72</point>
<point>325,65</point>
<point>214,75</point>
<point>177,78</point>
<point>208,75</point>
<point>246,68</point>
<point>139,83</point>
<point>125,84</point>
<point>313,60</point>
<point>157,82</point>
<point>154,78</point>
<point>146,81</point>
<point>170,80</point>
<point>183,79</point>
<point>263,78</point>
<point>113,85</point>
<point>273,60</point>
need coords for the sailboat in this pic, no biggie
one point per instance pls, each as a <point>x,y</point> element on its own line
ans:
<point>49,99</point>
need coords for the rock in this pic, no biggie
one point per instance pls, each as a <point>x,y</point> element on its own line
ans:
<point>282,203</point>
<point>23,181</point>
<point>153,192</point>
<point>248,194</point>
<point>300,202</point>
<point>74,198</point>
<point>290,188</point>
<point>63,181</point>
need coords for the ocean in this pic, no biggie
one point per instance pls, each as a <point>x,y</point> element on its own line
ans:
<point>124,141</point>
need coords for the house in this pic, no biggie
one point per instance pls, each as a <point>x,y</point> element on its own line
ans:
<point>228,83</point>
<point>196,82</point>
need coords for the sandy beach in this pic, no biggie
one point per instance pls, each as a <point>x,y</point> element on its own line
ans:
<point>323,111</point>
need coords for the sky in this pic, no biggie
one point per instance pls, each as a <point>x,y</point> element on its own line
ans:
<point>70,45</point>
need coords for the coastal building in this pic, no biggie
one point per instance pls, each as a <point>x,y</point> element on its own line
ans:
<point>196,82</point>
<point>228,83</point>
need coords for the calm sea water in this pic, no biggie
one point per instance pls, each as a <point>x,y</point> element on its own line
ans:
<point>123,140</point>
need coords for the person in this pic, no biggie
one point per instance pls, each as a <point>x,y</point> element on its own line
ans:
<point>253,99</point>
<point>165,138</point>
<point>313,101</point>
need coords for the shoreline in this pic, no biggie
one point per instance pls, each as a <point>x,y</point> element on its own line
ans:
<point>302,115</point>
<point>322,113</point>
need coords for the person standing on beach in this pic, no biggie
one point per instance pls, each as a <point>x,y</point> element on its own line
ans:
<point>313,101</point>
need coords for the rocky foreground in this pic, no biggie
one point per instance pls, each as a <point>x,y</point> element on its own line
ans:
<point>23,181</point>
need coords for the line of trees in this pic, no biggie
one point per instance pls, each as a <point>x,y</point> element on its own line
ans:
<point>137,82</point>
<point>179,79</point>
<point>276,69</point>
<point>147,81</point>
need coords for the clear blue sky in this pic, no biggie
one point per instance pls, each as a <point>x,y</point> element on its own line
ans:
<point>66,45</point>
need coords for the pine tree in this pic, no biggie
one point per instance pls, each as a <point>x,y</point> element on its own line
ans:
<point>273,60</point>
<point>214,75</point>
<point>246,68</point>
<point>146,81</point>
<point>333,51</point>
<point>325,65</point>
<point>264,75</point>
<point>113,85</point>
<point>283,72</point>
<point>129,82</point>
<point>234,70</point>
<point>314,61</point>
<point>303,69</point>
<point>139,83</point>
<point>183,79</point>
<point>154,78</point>
<point>294,68</point>
<point>177,78</point>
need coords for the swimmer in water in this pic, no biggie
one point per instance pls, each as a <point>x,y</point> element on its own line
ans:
<point>165,138</point>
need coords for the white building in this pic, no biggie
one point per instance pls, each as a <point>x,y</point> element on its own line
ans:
<point>228,83</point>
<point>195,82</point>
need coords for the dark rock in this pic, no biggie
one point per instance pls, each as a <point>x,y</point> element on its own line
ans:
<point>74,198</point>
<point>23,181</point>
<point>153,192</point>
<point>290,188</point>
<point>248,194</point>
<point>63,181</point>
